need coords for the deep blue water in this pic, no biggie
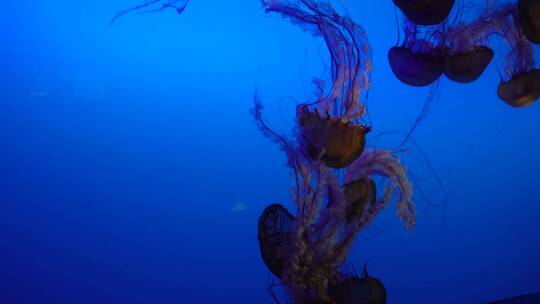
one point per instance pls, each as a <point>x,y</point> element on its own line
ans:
<point>124,151</point>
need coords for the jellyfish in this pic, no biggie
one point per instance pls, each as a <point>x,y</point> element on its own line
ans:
<point>354,289</point>
<point>521,90</point>
<point>529,19</point>
<point>329,127</point>
<point>467,66</point>
<point>419,60</point>
<point>467,52</point>
<point>520,86</point>
<point>336,141</point>
<point>357,194</point>
<point>425,12</point>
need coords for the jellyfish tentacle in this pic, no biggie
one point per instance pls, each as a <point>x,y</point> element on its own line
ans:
<point>178,5</point>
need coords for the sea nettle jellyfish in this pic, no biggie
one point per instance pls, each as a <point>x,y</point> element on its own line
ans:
<point>337,142</point>
<point>335,195</point>
<point>418,61</point>
<point>467,45</point>
<point>330,128</point>
<point>275,226</point>
<point>425,12</point>
<point>520,86</point>
<point>359,289</point>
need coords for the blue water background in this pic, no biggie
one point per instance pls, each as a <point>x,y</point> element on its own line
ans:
<point>124,151</point>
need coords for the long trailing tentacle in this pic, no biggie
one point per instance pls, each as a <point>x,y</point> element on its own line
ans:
<point>151,6</point>
<point>350,53</point>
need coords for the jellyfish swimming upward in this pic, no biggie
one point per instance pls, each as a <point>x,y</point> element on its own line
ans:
<point>335,194</point>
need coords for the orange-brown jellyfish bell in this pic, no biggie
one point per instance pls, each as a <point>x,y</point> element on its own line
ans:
<point>358,193</point>
<point>529,19</point>
<point>415,69</point>
<point>468,66</point>
<point>275,225</point>
<point>521,90</point>
<point>336,142</point>
<point>425,12</point>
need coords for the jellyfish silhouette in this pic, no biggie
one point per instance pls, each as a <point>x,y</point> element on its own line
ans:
<point>335,195</point>
<point>467,66</point>
<point>354,289</point>
<point>520,86</point>
<point>275,226</point>
<point>529,19</point>
<point>425,12</point>
<point>418,61</point>
<point>467,46</point>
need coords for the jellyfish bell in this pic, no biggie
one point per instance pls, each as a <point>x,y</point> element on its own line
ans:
<point>275,225</point>
<point>425,12</point>
<point>521,90</point>
<point>358,193</point>
<point>529,19</point>
<point>468,66</point>
<point>359,290</point>
<point>337,142</point>
<point>415,69</point>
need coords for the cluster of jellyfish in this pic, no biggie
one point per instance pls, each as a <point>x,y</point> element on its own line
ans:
<point>437,42</point>
<point>335,194</point>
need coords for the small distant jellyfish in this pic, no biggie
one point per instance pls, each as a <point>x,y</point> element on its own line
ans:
<point>425,12</point>
<point>418,61</point>
<point>529,19</point>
